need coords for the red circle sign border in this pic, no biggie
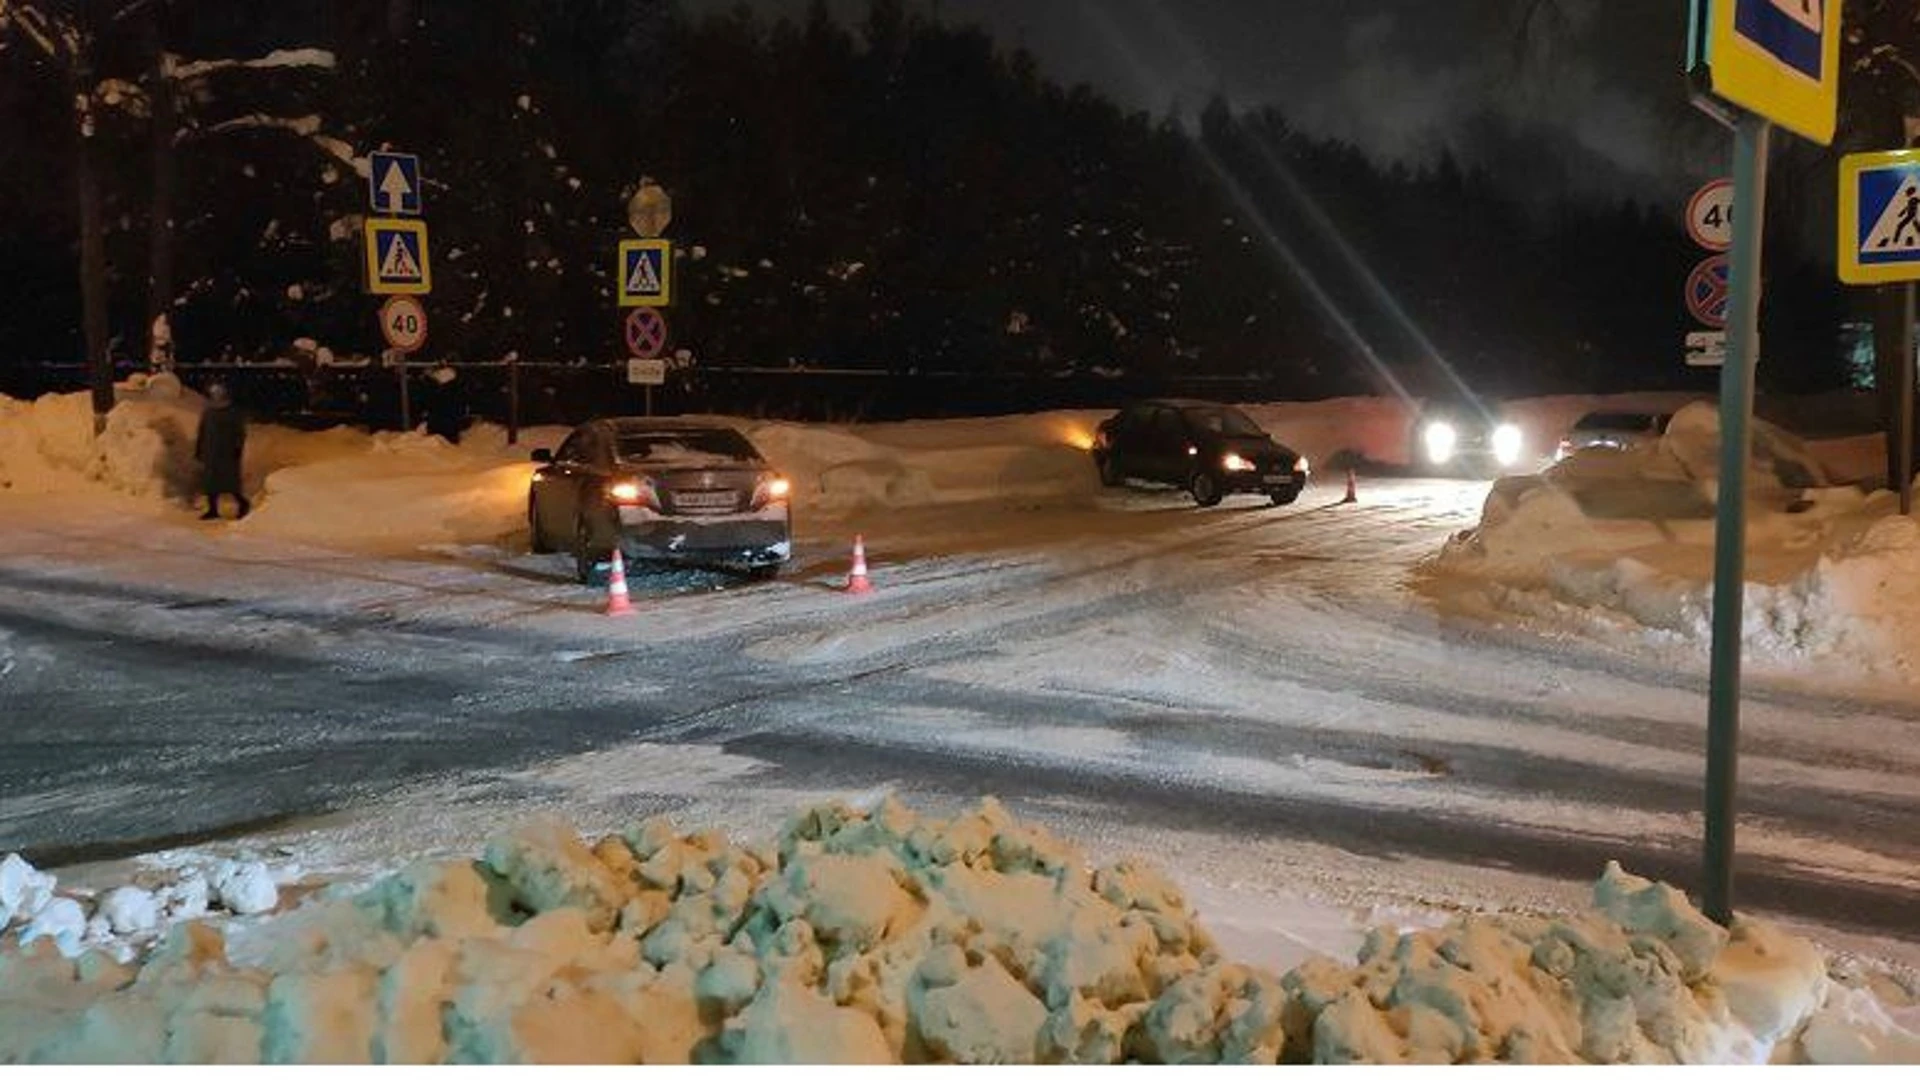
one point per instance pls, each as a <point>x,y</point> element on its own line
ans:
<point>1707,191</point>
<point>386,323</point>
<point>646,334</point>
<point>1711,278</point>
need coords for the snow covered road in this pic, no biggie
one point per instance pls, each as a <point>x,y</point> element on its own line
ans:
<point>1249,695</point>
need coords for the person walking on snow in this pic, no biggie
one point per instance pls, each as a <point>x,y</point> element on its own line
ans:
<point>222,438</point>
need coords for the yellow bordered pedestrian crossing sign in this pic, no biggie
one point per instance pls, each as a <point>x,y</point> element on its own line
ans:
<point>646,273</point>
<point>1880,217</point>
<point>397,260</point>
<point>1777,58</point>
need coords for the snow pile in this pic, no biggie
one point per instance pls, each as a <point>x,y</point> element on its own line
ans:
<point>124,921</point>
<point>885,936</point>
<point>393,490</point>
<point>146,451</point>
<point>1643,978</point>
<point>839,470</point>
<point>1626,539</point>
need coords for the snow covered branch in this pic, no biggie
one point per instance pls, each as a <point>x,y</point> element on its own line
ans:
<point>306,127</point>
<point>279,58</point>
<point>38,27</point>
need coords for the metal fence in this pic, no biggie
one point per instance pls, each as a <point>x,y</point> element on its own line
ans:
<point>524,394</point>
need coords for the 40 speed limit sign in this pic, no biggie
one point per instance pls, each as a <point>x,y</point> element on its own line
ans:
<point>403,322</point>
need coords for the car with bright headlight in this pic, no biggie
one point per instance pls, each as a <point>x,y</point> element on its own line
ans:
<point>1209,450</point>
<point>660,490</point>
<point>1467,437</point>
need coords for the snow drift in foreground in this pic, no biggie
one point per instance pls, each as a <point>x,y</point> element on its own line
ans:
<point>885,936</point>
<point>1610,540</point>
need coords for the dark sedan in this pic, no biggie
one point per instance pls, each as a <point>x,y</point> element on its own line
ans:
<point>663,490</point>
<point>1209,450</point>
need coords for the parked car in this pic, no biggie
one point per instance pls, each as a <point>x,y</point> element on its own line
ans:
<point>1613,431</point>
<point>662,490</point>
<point>1466,436</point>
<point>1209,450</point>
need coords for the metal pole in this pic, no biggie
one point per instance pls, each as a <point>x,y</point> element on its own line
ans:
<point>1751,137</point>
<point>1903,337</point>
<point>406,399</point>
<point>649,399</point>
<point>513,401</point>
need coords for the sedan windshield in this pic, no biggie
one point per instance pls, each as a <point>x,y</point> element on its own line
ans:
<point>667,447</point>
<point>1224,421</point>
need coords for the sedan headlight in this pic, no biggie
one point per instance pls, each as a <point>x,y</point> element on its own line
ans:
<point>1440,439</point>
<point>1236,463</point>
<point>1507,444</point>
<point>1300,464</point>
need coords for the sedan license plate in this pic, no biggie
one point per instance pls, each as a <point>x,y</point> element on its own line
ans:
<point>706,501</point>
<point>1277,478</point>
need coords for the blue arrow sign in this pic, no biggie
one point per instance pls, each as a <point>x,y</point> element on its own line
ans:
<point>393,184</point>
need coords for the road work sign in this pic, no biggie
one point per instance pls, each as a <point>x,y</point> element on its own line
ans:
<point>1880,217</point>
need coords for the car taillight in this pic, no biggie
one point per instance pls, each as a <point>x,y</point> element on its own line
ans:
<point>771,490</point>
<point>633,493</point>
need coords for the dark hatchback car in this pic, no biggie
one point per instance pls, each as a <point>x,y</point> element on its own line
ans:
<point>663,490</point>
<point>1613,431</point>
<point>1209,450</point>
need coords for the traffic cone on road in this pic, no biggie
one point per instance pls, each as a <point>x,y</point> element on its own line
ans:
<point>617,600</point>
<point>1353,494</point>
<point>857,580</point>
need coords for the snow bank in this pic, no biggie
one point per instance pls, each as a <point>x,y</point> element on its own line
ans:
<point>885,936</point>
<point>48,445</point>
<point>123,921</point>
<point>1609,539</point>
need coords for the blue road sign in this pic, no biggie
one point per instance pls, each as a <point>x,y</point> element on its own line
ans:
<point>1880,217</point>
<point>397,258</point>
<point>393,184</point>
<point>646,273</point>
<point>1777,58</point>
<point>1787,30</point>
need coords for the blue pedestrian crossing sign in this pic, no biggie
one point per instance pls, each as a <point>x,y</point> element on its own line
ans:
<point>1777,58</point>
<point>397,261</point>
<point>646,273</point>
<point>1880,217</point>
<point>393,184</point>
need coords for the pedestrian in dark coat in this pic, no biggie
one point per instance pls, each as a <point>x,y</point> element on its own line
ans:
<point>446,412</point>
<point>221,441</point>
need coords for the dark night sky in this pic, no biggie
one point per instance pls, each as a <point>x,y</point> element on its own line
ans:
<point>1398,77</point>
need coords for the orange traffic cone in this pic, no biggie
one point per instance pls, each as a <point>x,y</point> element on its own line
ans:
<point>857,580</point>
<point>617,601</point>
<point>1353,495</point>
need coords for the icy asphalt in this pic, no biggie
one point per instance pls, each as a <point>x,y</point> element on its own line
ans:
<point>1246,676</point>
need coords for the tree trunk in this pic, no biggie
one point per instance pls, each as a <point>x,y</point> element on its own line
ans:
<point>160,213</point>
<point>400,19</point>
<point>93,246</point>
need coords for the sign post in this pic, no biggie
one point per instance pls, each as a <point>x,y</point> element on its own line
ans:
<point>1772,61</point>
<point>1880,244</point>
<point>1752,136</point>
